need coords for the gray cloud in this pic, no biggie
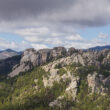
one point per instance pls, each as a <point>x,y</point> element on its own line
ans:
<point>77,12</point>
<point>11,9</point>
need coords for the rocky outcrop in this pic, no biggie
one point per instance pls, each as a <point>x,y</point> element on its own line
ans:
<point>54,76</point>
<point>71,51</point>
<point>72,89</point>
<point>32,58</point>
<point>58,52</point>
<point>95,83</point>
<point>98,83</point>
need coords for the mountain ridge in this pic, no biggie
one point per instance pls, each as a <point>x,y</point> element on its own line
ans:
<point>98,48</point>
<point>7,53</point>
<point>57,79</point>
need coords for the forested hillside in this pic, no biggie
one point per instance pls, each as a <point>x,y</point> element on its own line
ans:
<point>76,81</point>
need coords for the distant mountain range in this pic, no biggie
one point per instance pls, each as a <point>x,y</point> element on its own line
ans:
<point>98,48</point>
<point>8,53</point>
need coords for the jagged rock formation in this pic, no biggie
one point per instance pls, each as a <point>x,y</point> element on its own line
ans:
<point>60,57</point>
<point>32,58</point>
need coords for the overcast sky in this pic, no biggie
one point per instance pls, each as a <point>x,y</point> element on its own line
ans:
<point>50,23</point>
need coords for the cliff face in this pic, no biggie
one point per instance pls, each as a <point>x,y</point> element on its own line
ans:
<point>32,58</point>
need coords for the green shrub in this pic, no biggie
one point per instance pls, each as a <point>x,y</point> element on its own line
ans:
<point>58,66</point>
<point>62,71</point>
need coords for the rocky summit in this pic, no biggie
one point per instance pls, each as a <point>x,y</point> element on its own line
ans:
<point>32,58</point>
<point>56,79</point>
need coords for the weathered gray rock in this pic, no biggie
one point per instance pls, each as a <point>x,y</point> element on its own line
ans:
<point>72,89</point>
<point>32,58</point>
<point>95,83</point>
<point>57,102</point>
<point>106,82</point>
<point>28,60</point>
<point>58,52</point>
<point>71,51</point>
